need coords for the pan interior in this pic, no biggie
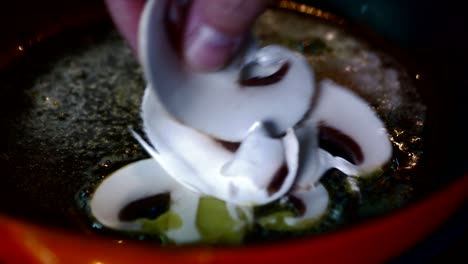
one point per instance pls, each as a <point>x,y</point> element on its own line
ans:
<point>68,103</point>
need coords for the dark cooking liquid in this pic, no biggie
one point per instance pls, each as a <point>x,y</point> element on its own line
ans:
<point>66,108</point>
<point>70,102</point>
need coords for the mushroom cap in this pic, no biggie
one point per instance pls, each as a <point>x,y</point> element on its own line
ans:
<point>342,111</point>
<point>139,180</point>
<point>263,93</point>
<point>224,104</point>
<point>349,123</point>
<point>316,201</point>
<point>203,164</point>
<point>341,114</point>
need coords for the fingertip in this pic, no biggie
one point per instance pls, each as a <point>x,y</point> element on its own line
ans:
<point>207,49</point>
<point>215,29</point>
<point>126,16</point>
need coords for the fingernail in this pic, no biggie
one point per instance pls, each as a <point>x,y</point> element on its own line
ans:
<point>207,49</point>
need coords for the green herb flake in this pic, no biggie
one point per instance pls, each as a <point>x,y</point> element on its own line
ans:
<point>215,224</point>
<point>162,224</point>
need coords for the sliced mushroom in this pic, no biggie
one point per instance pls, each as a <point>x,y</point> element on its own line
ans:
<point>262,94</point>
<point>340,109</point>
<point>350,117</point>
<point>316,202</point>
<point>347,115</point>
<point>259,155</point>
<point>137,181</point>
<point>217,103</point>
<point>202,164</point>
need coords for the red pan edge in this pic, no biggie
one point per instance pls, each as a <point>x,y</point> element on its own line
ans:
<point>375,241</point>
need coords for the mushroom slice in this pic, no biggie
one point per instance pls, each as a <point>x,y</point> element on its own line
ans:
<point>315,201</point>
<point>201,163</point>
<point>314,161</point>
<point>223,104</point>
<point>350,122</point>
<point>263,168</point>
<point>347,121</point>
<point>137,181</point>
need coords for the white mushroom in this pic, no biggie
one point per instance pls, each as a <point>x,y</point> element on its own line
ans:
<point>339,109</point>
<point>257,105</point>
<point>203,164</point>
<point>137,181</point>
<point>315,202</point>
<point>223,104</point>
<point>186,115</point>
<point>352,125</point>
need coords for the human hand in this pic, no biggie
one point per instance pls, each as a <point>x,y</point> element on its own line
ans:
<point>213,30</point>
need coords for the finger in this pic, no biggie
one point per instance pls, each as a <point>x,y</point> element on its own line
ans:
<point>126,16</point>
<point>216,28</point>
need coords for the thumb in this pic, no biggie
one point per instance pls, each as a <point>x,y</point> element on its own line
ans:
<point>216,28</point>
